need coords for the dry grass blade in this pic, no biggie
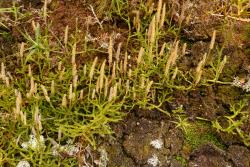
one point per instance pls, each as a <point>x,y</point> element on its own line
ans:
<point>174,54</point>
<point>199,69</point>
<point>151,31</point>
<point>139,58</point>
<point>113,71</point>
<point>183,9</point>
<point>64,101</point>
<point>61,75</point>
<point>121,67</point>
<point>211,46</point>
<point>222,64</point>
<point>142,82</point>
<point>66,35</point>
<point>21,50</point>
<point>32,88</point>
<point>97,85</point>
<point>59,66</point>
<point>149,86</point>
<point>81,95</point>
<point>75,80</point>
<point>137,21</point>
<point>18,102</point>
<point>125,63</point>
<point>70,92</point>
<point>163,15</point>
<point>158,12</point>
<point>175,73</point>
<point>102,75</point>
<point>184,47</point>
<point>45,10</point>
<point>7,81</point>
<point>115,90</point>
<point>110,51</point>
<point>84,70</point>
<point>3,74</point>
<point>37,119</point>
<point>127,86</point>
<point>130,73</point>
<point>32,85</point>
<point>45,93</point>
<point>74,70</point>
<point>172,59</point>
<point>106,87</point>
<point>162,49</point>
<point>92,69</point>
<point>73,58</point>
<point>118,52</point>
<point>110,94</point>
<point>30,71</point>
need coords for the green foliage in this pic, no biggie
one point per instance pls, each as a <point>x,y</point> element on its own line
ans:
<point>182,123</point>
<point>201,133</point>
<point>242,6</point>
<point>195,133</point>
<point>234,122</point>
<point>50,95</point>
<point>182,160</point>
<point>246,36</point>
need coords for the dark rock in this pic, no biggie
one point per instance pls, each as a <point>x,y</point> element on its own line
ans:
<point>116,155</point>
<point>239,155</point>
<point>208,156</point>
<point>174,141</point>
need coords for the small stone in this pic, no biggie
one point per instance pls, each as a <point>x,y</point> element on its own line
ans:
<point>154,161</point>
<point>157,144</point>
<point>23,163</point>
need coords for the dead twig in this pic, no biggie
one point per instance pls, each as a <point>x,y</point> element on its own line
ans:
<point>232,17</point>
<point>96,18</point>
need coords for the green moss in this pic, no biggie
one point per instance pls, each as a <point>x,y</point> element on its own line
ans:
<point>201,133</point>
<point>227,94</point>
<point>247,32</point>
<point>182,160</point>
<point>246,37</point>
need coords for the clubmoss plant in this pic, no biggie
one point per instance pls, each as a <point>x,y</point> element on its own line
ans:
<point>54,94</point>
<point>241,6</point>
<point>235,121</point>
